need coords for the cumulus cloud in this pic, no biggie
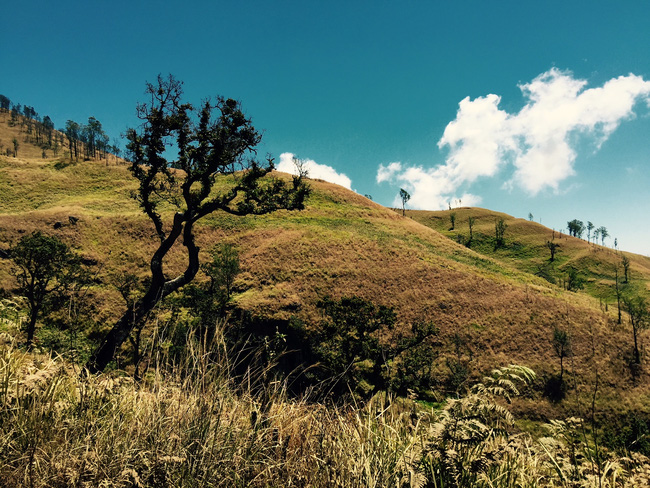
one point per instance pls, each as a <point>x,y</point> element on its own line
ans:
<point>429,189</point>
<point>314,170</point>
<point>539,141</point>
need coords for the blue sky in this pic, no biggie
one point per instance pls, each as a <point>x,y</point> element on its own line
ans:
<point>554,117</point>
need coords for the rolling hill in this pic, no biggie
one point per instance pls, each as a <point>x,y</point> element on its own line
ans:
<point>527,249</point>
<point>491,306</point>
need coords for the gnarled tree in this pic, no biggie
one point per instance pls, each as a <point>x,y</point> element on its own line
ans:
<point>214,141</point>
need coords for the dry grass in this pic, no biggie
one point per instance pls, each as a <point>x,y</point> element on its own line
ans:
<point>190,424</point>
<point>28,149</point>
<point>8,133</point>
<point>344,244</point>
<point>526,247</point>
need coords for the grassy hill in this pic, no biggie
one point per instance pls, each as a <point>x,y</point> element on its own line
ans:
<point>490,306</point>
<point>345,245</point>
<point>526,249</point>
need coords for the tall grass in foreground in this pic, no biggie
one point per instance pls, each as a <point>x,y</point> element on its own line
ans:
<point>190,424</point>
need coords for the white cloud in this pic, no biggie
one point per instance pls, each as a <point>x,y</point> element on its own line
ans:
<point>539,140</point>
<point>314,170</point>
<point>559,107</point>
<point>387,173</point>
<point>428,188</point>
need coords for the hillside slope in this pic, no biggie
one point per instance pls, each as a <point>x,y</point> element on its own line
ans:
<point>341,245</point>
<point>527,249</point>
<point>490,307</point>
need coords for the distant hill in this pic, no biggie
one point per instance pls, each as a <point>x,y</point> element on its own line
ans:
<point>493,307</point>
<point>527,249</point>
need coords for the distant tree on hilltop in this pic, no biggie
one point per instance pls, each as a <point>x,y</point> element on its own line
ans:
<point>590,227</point>
<point>73,133</point>
<point>91,135</point>
<point>48,129</point>
<point>30,113</point>
<point>576,228</point>
<point>602,231</point>
<point>16,110</point>
<point>5,103</point>
<point>405,197</point>
<point>116,148</point>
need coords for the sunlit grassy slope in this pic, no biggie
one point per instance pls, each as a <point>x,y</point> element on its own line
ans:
<point>343,244</point>
<point>526,249</point>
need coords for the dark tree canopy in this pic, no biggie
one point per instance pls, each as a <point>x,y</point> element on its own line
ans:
<point>576,228</point>
<point>46,266</point>
<point>574,281</point>
<point>73,133</point>
<point>349,351</point>
<point>215,140</point>
<point>5,103</point>
<point>222,271</point>
<point>351,335</point>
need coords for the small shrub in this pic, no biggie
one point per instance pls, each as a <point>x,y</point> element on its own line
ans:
<point>555,388</point>
<point>575,281</point>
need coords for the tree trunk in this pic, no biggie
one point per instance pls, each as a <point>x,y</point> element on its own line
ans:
<point>618,298</point>
<point>159,289</point>
<point>31,327</point>
<point>121,330</point>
